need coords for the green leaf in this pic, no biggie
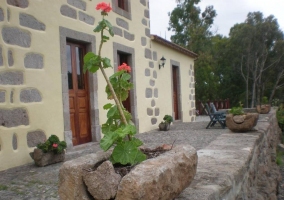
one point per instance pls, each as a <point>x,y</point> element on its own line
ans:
<point>112,112</point>
<point>88,56</point>
<point>125,153</point>
<point>140,157</point>
<point>108,140</point>
<point>130,129</point>
<point>125,76</point>
<point>91,62</point>
<point>107,106</point>
<point>116,74</point>
<point>100,26</point>
<point>121,132</point>
<point>108,24</point>
<point>137,142</point>
<point>105,37</point>
<point>106,62</point>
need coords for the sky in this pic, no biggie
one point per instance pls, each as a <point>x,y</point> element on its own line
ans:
<point>229,13</point>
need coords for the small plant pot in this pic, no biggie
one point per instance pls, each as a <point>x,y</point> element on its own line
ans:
<point>241,123</point>
<point>263,109</point>
<point>164,126</point>
<point>42,159</point>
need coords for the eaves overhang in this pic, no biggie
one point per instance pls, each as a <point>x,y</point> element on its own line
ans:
<point>173,46</point>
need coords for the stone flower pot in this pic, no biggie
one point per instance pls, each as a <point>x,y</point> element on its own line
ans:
<point>263,109</point>
<point>162,177</point>
<point>164,126</point>
<point>241,123</point>
<point>42,159</point>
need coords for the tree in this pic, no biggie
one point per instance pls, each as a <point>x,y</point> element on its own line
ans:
<point>192,31</point>
<point>254,40</point>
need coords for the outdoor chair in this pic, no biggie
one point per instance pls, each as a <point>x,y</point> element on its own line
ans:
<point>215,116</point>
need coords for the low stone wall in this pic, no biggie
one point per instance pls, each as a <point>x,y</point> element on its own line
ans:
<point>239,165</point>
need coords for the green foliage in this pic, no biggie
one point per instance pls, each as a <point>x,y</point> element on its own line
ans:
<point>121,85</point>
<point>53,144</point>
<point>168,119</point>
<point>264,100</point>
<point>125,152</point>
<point>237,110</point>
<point>245,65</point>
<point>280,114</point>
<point>104,24</point>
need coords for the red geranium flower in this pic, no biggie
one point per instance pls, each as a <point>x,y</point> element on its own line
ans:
<point>104,7</point>
<point>55,145</point>
<point>125,67</point>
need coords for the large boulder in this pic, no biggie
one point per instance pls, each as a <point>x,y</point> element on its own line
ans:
<point>71,185</point>
<point>163,177</point>
<point>96,181</point>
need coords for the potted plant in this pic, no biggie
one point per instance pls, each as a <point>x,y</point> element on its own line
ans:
<point>239,121</point>
<point>49,152</point>
<point>165,125</point>
<point>265,107</point>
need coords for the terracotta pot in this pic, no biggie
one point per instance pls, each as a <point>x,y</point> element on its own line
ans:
<point>42,159</point>
<point>241,123</point>
<point>263,109</point>
<point>164,126</point>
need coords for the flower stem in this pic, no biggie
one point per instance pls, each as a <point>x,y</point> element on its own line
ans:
<point>117,102</point>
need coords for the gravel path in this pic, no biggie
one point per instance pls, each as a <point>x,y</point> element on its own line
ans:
<point>41,183</point>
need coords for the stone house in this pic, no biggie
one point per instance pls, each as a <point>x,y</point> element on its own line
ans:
<point>43,90</point>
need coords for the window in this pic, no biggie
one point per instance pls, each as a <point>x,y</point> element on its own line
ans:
<point>122,7</point>
<point>122,4</point>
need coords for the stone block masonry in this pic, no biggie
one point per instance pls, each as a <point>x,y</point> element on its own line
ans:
<point>239,165</point>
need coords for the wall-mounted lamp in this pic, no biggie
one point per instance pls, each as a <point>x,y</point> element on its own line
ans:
<point>162,62</point>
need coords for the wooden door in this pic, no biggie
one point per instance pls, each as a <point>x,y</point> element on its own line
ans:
<point>123,58</point>
<point>175,92</point>
<point>78,94</point>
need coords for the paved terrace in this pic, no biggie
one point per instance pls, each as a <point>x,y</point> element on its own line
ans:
<point>39,183</point>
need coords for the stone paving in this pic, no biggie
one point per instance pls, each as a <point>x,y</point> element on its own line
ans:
<point>41,183</point>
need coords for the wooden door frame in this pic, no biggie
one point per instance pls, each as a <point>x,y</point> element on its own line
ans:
<point>176,64</point>
<point>90,42</point>
<point>76,92</point>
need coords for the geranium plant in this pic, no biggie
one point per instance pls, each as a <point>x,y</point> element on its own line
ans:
<point>118,130</point>
<point>52,144</point>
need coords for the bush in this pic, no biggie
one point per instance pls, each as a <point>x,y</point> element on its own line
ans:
<point>168,119</point>
<point>53,144</point>
<point>237,110</point>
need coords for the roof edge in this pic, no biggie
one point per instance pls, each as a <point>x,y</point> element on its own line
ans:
<point>173,46</point>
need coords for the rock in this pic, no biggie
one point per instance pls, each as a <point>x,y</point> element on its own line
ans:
<point>239,119</point>
<point>71,185</point>
<point>250,120</point>
<point>103,182</point>
<point>163,177</point>
<point>42,159</point>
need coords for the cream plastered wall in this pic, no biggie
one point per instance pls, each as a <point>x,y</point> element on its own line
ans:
<point>45,116</point>
<point>186,83</point>
<point>45,107</point>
